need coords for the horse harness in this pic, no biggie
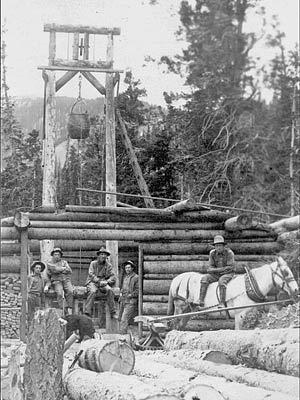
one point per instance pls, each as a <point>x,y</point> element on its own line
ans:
<point>252,289</point>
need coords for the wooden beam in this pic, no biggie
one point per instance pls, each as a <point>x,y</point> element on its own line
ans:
<point>81,29</point>
<point>134,162</point>
<point>79,69</point>
<point>75,46</point>
<point>94,81</point>
<point>86,46</point>
<point>52,47</point>
<point>82,63</point>
<point>64,79</point>
<point>24,276</point>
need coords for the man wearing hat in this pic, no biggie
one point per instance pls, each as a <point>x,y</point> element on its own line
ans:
<point>221,268</point>
<point>101,277</point>
<point>35,287</point>
<point>59,273</point>
<point>128,296</point>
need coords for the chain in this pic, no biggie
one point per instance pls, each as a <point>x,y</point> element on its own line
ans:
<point>79,86</point>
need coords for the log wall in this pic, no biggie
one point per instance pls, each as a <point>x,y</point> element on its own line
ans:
<point>172,242</point>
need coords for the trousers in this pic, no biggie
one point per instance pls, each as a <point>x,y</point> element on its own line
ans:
<point>126,314</point>
<point>64,288</point>
<point>92,293</point>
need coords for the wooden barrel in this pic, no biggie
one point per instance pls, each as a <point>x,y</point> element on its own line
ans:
<point>107,355</point>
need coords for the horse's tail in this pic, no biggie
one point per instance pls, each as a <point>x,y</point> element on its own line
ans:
<point>171,307</point>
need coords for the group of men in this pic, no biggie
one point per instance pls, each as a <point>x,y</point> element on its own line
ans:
<point>101,278</point>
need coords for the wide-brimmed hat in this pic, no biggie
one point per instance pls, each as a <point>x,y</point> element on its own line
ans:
<point>130,263</point>
<point>218,239</point>
<point>58,250</point>
<point>103,250</point>
<point>43,266</point>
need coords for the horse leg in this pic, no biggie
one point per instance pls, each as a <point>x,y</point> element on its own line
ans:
<point>239,319</point>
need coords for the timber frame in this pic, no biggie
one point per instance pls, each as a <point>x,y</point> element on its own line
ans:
<point>80,63</point>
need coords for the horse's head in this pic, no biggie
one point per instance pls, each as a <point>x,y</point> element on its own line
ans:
<point>283,278</point>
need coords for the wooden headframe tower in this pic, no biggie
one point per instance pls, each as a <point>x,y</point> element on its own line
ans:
<point>80,63</point>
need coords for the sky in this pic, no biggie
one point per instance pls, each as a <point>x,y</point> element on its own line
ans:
<point>146,30</point>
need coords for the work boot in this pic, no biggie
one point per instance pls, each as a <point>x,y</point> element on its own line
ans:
<point>203,290</point>
<point>222,303</point>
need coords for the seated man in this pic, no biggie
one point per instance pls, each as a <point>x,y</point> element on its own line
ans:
<point>59,273</point>
<point>100,277</point>
<point>221,268</point>
<point>128,296</point>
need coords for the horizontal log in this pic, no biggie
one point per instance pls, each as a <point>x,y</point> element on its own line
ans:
<point>9,221</point>
<point>160,276</point>
<point>129,225</point>
<point>66,245</point>
<point>199,248</point>
<point>178,267</point>
<point>83,384</point>
<point>193,386</point>
<point>154,298</point>
<point>268,349</point>
<point>286,224</point>
<point>82,63</point>
<point>239,222</point>
<point>184,205</point>
<point>81,29</point>
<point>204,257</point>
<point>156,287</point>
<point>286,237</point>
<point>120,211</point>
<point>189,359</point>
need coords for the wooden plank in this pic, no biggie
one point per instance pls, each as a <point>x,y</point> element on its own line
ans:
<point>78,69</point>
<point>64,79</point>
<point>94,81</point>
<point>81,29</point>
<point>81,63</point>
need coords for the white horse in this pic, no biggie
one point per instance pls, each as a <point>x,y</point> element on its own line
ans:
<point>185,289</point>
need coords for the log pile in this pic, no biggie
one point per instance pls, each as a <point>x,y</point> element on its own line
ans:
<point>268,349</point>
<point>10,305</point>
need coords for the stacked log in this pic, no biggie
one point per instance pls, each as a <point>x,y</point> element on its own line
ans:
<point>269,349</point>
<point>174,240</point>
<point>10,305</point>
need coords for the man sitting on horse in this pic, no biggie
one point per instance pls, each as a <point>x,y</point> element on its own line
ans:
<point>221,268</point>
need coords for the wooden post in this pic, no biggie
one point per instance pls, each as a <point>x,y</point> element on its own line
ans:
<point>110,164</point>
<point>49,189</point>
<point>86,46</point>
<point>140,303</point>
<point>75,45</point>
<point>21,221</point>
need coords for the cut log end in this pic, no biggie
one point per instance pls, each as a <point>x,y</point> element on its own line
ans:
<point>104,355</point>
<point>203,392</point>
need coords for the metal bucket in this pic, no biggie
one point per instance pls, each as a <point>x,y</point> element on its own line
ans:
<point>79,122</point>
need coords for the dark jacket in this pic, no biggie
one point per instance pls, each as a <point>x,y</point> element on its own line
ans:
<point>101,272</point>
<point>226,259</point>
<point>130,295</point>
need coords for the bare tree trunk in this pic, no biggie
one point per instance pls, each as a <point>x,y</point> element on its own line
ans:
<point>44,357</point>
